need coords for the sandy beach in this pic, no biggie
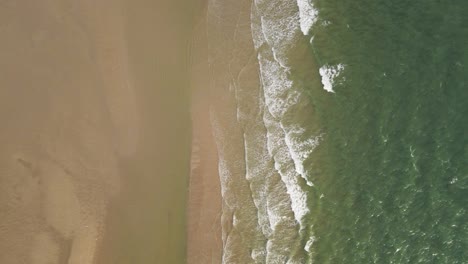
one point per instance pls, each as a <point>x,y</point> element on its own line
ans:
<point>95,138</point>
<point>68,111</point>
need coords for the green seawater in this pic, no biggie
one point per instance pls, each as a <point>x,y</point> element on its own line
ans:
<point>392,165</point>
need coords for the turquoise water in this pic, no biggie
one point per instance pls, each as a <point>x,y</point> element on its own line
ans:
<point>393,164</point>
<point>342,133</point>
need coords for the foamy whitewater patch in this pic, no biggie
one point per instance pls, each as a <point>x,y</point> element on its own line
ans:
<point>308,15</point>
<point>329,74</point>
<point>287,143</point>
<point>299,149</point>
<point>278,94</point>
<point>309,244</point>
<point>280,27</point>
<point>290,145</point>
<point>284,165</point>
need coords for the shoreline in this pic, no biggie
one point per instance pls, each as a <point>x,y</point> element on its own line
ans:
<point>222,52</point>
<point>204,203</point>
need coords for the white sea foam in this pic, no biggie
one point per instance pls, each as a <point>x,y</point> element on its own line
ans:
<point>300,149</point>
<point>285,166</point>
<point>280,27</point>
<point>257,254</point>
<point>309,244</point>
<point>308,15</point>
<point>329,74</point>
<point>277,87</point>
<point>279,97</point>
<point>258,35</point>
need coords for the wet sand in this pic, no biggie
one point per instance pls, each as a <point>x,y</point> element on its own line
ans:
<point>204,236</point>
<point>146,223</point>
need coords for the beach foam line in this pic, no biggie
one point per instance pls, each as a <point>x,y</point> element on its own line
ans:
<point>279,97</point>
<point>284,165</point>
<point>300,150</point>
<point>280,27</point>
<point>286,143</point>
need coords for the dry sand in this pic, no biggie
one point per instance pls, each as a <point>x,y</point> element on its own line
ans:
<point>61,134</point>
<point>94,109</point>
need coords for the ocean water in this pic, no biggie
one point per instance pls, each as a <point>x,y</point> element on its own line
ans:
<point>342,130</point>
